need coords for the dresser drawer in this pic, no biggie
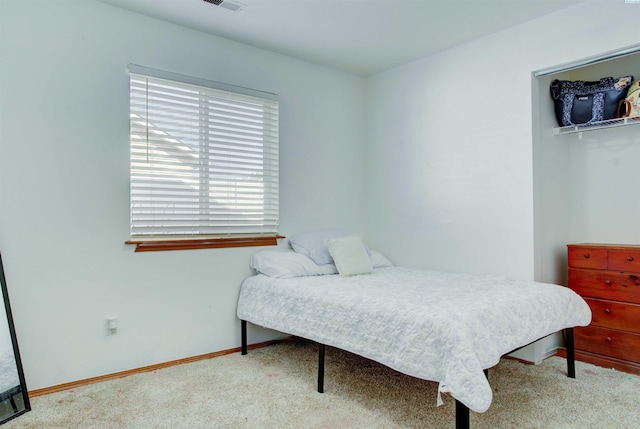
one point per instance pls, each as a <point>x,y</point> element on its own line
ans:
<point>615,315</point>
<point>624,260</point>
<point>605,284</point>
<point>586,257</point>
<point>608,342</point>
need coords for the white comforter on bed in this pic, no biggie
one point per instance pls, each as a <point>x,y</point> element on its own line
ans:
<point>431,325</point>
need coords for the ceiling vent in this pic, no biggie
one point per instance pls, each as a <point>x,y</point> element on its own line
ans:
<point>231,5</point>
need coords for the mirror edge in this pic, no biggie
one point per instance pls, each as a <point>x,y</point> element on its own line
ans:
<point>16,351</point>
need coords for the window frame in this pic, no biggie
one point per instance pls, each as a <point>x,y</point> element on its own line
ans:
<point>241,235</point>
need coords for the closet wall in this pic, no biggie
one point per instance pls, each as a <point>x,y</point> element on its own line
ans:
<point>586,185</point>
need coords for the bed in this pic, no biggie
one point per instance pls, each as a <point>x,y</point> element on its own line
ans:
<point>444,327</point>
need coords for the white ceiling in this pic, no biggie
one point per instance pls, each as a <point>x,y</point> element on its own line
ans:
<point>356,36</point>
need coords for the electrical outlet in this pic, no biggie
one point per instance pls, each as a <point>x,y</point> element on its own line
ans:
<point>112,325</point>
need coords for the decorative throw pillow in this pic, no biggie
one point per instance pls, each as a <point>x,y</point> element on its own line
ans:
<point>350,255</point>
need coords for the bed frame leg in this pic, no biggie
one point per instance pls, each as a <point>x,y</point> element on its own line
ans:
<point>462,416</point>
<point>321,368</point>
<point>571,357</point>
<point>243,333</point>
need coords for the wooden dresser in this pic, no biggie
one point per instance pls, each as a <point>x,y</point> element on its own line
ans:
<point>607,276</point>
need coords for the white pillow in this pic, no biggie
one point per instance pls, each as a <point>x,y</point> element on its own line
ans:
<point>378,260</point>
<point>285,264</point>
<point>350,255</point>
<point>313,244</point>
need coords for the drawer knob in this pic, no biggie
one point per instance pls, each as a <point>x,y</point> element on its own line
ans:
<point>608,339</point>
<point>586,256</point>
<point>606,310</point>
<point>630,258</point>
<point>607,282</point>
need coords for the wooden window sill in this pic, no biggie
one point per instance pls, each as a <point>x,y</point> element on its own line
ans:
<point>161,244</point>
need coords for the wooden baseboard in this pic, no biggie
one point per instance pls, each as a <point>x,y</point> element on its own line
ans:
<point>603,361</point>
<point>121,374</point>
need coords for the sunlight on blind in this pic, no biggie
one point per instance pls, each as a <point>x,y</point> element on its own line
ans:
<point>203,161</point>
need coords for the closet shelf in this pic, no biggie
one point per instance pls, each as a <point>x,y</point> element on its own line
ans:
<point>610,123</point>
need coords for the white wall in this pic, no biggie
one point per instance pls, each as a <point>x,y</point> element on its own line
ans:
<point>64,185</point>
<point>449,156</point>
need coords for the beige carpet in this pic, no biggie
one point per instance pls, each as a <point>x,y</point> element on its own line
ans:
<point>275,387</point>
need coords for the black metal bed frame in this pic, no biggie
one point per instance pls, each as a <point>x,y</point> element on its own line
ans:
<point>462,411</point>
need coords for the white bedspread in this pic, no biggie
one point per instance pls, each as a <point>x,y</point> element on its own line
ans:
<point>431,325</point>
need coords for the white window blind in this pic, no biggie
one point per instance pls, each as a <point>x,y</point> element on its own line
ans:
<point>204,161</point>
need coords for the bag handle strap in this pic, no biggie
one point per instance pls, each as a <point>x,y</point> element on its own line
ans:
<point>627,108</point>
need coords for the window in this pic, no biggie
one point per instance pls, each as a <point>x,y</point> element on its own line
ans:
<point>204,158</point>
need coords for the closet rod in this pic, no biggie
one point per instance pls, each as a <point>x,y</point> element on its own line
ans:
<point>618,53</point>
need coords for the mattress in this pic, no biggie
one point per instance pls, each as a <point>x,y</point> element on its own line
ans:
<point>436,326</point>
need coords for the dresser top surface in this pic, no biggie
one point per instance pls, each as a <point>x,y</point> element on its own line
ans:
<point>606,246</point>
